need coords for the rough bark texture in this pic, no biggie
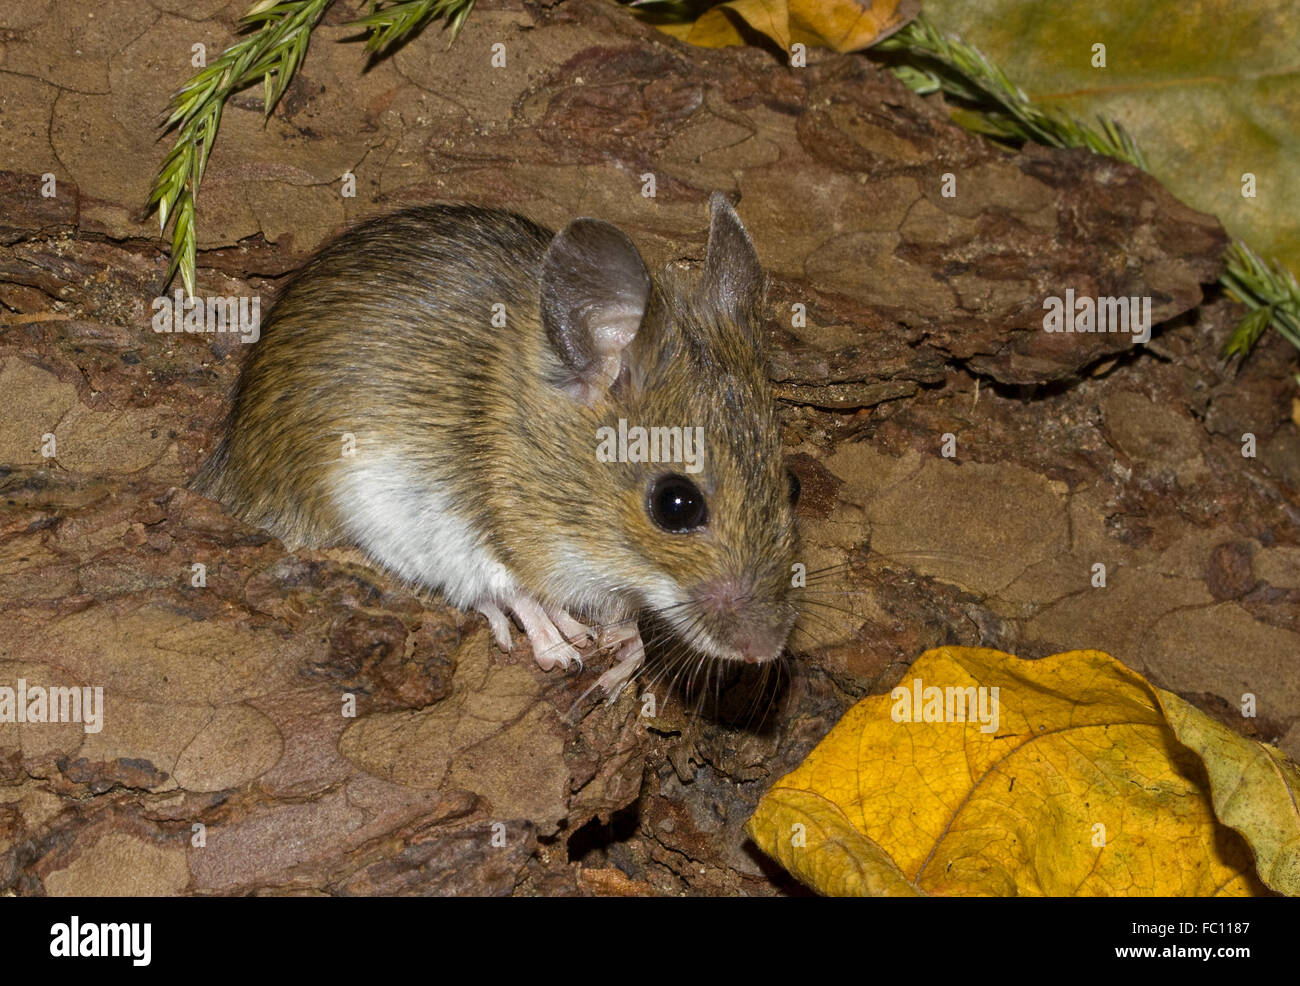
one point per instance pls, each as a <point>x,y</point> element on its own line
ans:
<point>463,770</point>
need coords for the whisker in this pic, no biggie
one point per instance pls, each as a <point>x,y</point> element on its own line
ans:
<point>827,606</point>
<point>677,665</point>
<point>823,623</point>
<point>830,569</point>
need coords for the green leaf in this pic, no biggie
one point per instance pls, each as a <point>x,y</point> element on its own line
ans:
<point>1210,87</point>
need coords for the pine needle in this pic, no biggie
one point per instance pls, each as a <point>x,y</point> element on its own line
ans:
<point>1268,290</point>
<point>962,72</point>
<point>391,22</point>
<point>271,53</point>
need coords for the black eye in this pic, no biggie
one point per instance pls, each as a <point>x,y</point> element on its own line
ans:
<point>676,504</point>
<point>795,487</point>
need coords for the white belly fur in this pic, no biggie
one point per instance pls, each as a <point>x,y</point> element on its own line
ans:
<point>409,527</point>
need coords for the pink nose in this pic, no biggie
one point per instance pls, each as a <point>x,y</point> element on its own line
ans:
<point>728,600</point>
<point>754,644</point>
<point>722,597</point>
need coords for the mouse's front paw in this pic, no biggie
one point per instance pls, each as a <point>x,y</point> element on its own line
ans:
<point>578,634</point>
<point>560,653</point>
<point>498,623</point>
<point>549,634</point>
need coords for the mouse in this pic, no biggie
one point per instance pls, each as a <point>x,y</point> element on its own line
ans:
<point>530,424</point>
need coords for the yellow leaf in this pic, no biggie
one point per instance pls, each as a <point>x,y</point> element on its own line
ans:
<point>848,25</point>
<point>719,27</point>
<point>844,25</point>
<point>848,864</point>
<point>1067,780</point>
<point>1254,788</point>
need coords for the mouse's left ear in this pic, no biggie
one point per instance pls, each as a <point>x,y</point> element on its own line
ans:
<point>595,289</point>
<point>733,278</point>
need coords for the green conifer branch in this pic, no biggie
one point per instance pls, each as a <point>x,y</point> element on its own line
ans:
<point>271,53</point>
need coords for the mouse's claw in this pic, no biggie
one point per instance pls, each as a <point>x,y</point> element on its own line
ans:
<point>578,634</point>
<point>628,659</point>
<point>549,643</point>
<point>498,623</point>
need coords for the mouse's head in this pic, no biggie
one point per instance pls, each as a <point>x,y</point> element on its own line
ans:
<point>668,383</point>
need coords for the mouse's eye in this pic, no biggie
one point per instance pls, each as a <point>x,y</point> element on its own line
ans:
<point>795,487</point>
<point>676,504</point>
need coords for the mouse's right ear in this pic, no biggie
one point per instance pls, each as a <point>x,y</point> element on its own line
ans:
<point>595,289</point>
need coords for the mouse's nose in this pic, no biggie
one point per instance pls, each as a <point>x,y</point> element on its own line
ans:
<point>755,644</point>
<point>723,597</point>
<point>737,621</point>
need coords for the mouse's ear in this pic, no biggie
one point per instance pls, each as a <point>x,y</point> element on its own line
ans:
<point>595,289</point>
<point>733,278</point>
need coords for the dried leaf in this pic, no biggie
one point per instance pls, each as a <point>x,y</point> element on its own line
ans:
<point>984,774</point>
<point>847,25</point>
<point>1254,788</point>
<point>842,25</point>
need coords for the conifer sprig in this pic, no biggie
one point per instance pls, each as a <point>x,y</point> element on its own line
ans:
<point>939,62</point>
<point>280,31</point>
<point>391,22</point>
<point>1268,290</point>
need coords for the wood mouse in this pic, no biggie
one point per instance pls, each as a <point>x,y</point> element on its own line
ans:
<point>493,454</point>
